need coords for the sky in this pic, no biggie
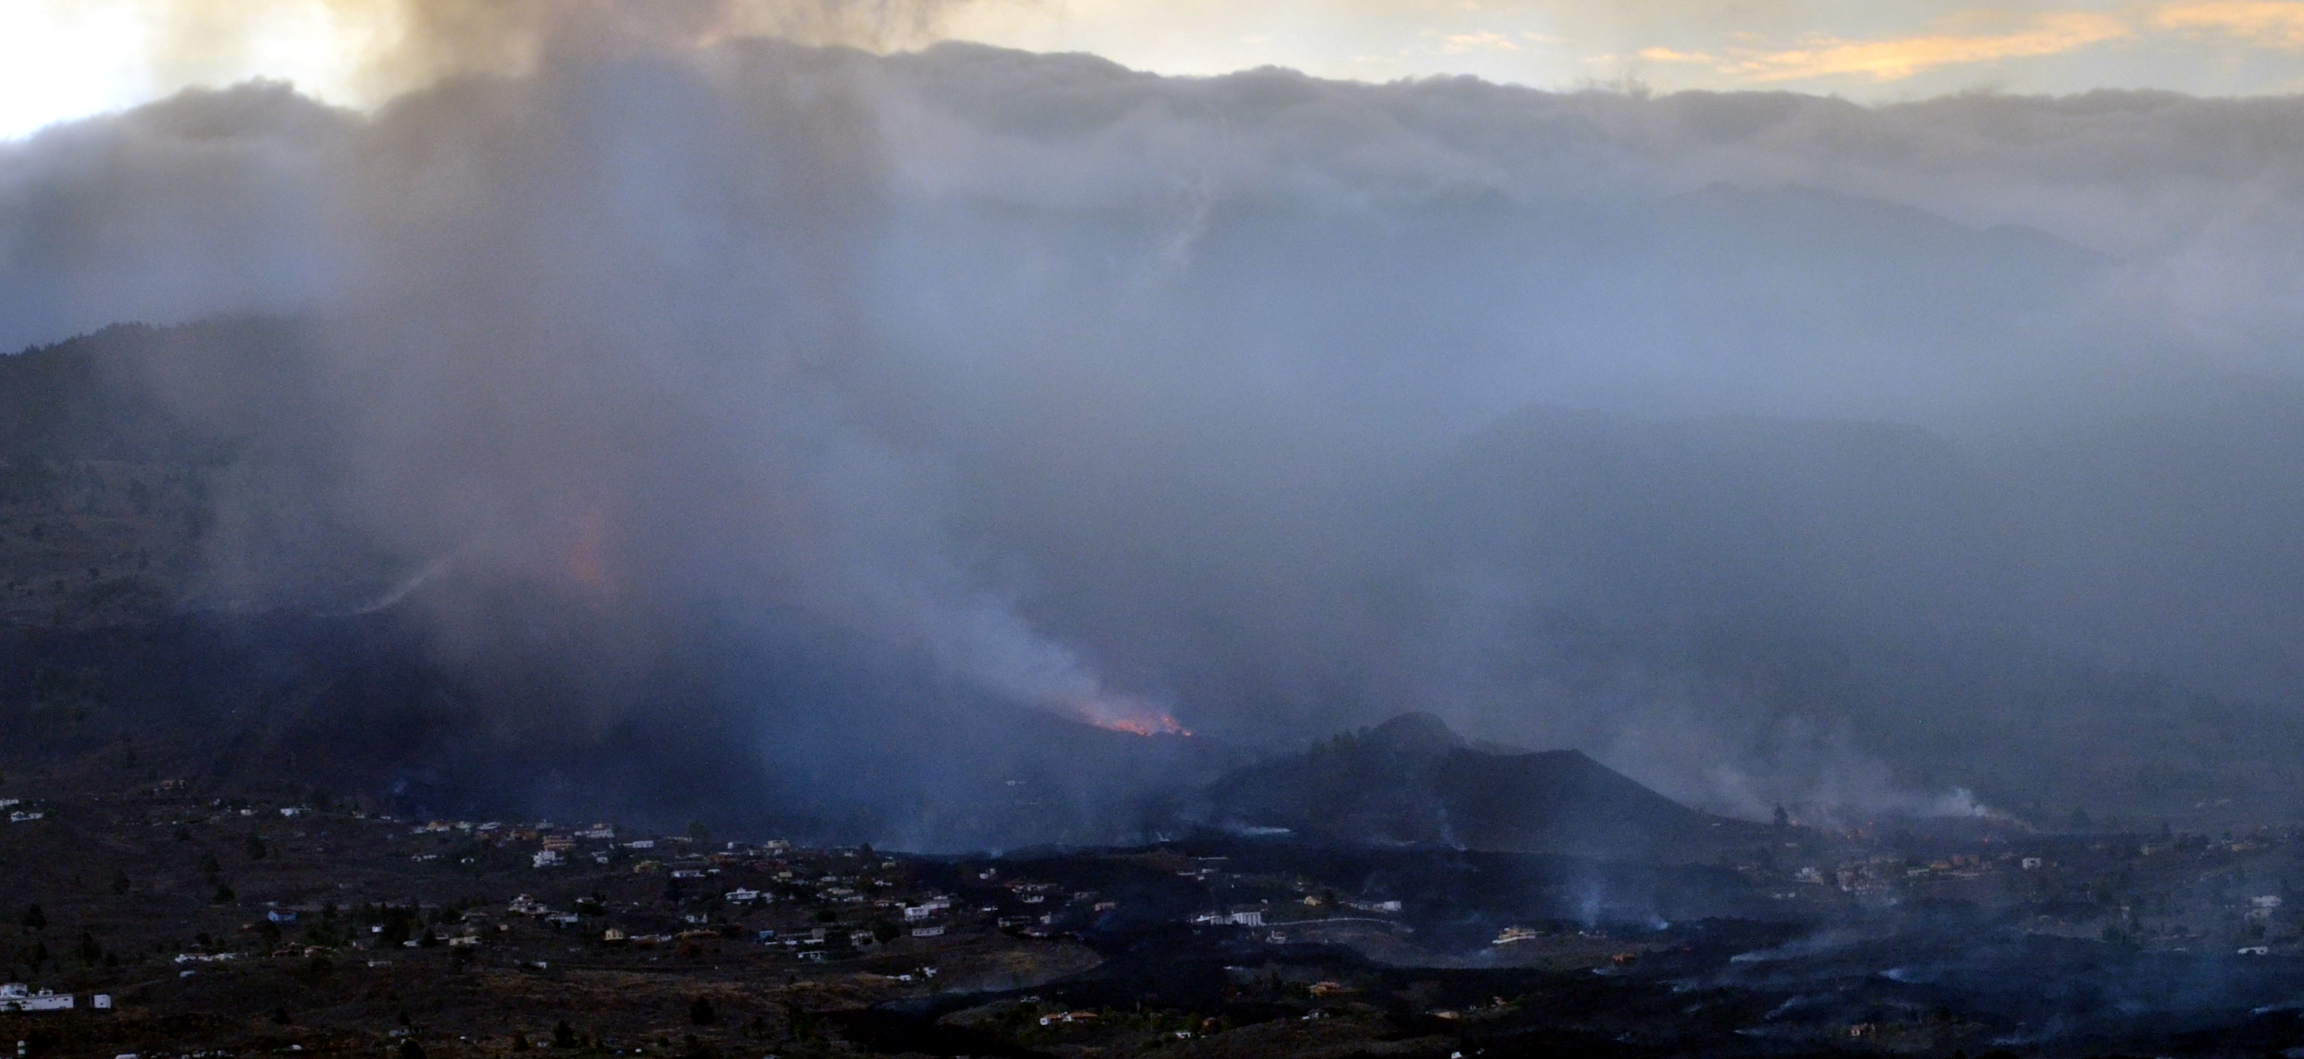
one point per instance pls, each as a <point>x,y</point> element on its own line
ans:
<point>68,58</point>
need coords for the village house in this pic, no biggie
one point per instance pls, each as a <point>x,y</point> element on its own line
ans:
<point>16,996</point>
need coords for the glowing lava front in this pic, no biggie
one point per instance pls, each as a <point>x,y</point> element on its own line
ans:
<point>1133,716</point>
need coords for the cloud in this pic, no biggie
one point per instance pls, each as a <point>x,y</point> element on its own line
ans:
<point>2271,23</point>
<point>364,51</point>
<point>1481,40</point>
<point>1667,55</point>
<point>1899,58</point>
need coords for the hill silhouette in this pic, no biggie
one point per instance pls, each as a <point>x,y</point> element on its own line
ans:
<point>1411,780</point>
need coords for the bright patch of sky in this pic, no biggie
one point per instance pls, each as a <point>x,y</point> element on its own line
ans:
<point>66,58</point>
<point>1870,52</point>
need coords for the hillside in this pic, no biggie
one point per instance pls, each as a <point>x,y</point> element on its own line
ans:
<point>1412,780</point>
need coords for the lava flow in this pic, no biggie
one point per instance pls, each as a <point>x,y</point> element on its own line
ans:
<point>1133,716</point>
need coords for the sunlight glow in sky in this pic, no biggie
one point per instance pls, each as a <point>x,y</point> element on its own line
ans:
<point>67,58</point>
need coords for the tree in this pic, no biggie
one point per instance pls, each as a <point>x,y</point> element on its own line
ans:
<point>697,831</point>
<point>563,1035</point>
<point>35,918</point>
<point>119,882</point>
<point>409,1049</point>
<point>700,1011</point>
<point>255,846</point>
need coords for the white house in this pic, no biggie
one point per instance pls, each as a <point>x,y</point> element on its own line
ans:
<point>16,996</point>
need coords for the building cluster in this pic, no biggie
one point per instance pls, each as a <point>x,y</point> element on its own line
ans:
<point>16,996</point>
<point>2169,890</point>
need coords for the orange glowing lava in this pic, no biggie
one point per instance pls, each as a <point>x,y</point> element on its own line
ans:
<point>1128,715</point>
<point>586,556</point>
<point>1144,724</point>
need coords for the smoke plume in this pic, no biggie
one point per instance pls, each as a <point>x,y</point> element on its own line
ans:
<point>1760,444</point>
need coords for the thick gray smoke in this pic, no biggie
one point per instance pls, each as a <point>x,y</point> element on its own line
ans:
<point>1766,446</point>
